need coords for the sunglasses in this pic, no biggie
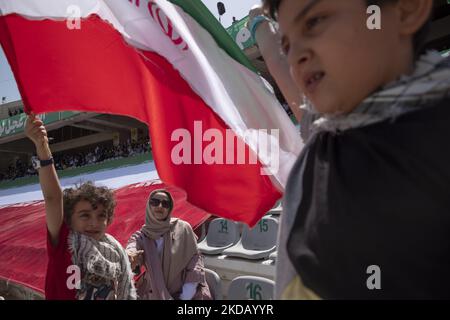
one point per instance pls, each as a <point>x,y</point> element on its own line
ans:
<point>156,202</point>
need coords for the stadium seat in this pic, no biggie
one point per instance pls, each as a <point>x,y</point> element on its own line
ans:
<point>273,256</point>
<point>277,209</point>
<point>221,234</point>
<point>258,242</point>
<point>214,283</point>
<point>250,288</point>
<point>202,233</point>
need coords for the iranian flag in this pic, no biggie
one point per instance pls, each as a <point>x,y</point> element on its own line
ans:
<point>171,65</point>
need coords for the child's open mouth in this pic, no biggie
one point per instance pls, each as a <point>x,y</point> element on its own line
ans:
<point>312,80</point>
<point>92,234</point>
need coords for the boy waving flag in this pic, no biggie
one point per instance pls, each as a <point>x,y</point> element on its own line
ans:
<point>217,131</point>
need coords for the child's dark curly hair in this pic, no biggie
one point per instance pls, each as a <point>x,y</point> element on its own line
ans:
<point>93,194</point>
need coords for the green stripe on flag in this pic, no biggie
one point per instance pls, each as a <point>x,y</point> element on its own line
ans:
<point>197,10</point>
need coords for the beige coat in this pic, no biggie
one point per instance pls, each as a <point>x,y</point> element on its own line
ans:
<point>192,272</point>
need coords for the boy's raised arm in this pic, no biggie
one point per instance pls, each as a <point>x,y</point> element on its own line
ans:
<point>269,44</point>
<point>53,196</point>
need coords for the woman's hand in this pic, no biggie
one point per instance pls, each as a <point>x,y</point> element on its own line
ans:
<point>134,257</point>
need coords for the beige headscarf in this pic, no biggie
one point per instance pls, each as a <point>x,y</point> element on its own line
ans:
<point>180,243</point>
<point>153,227</point>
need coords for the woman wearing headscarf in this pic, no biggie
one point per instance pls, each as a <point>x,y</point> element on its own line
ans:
<point>167,249</point>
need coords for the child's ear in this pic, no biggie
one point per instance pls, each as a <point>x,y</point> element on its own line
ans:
<point>413,14</point>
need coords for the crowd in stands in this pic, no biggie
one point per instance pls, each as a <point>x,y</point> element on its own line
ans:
<point>15,112</point>
<point>80,159</point>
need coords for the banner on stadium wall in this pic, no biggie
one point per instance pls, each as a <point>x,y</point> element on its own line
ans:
<point>16,124</point>
<point>240,34</point>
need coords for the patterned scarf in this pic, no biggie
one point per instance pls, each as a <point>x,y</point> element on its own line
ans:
<point>105,270</point>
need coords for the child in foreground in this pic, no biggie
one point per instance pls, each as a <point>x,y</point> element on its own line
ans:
<point>84,262</point>
<point>366,207</point>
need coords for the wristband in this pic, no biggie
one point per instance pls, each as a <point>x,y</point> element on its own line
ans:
<point>37,163</point>
<point>254,24</point>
